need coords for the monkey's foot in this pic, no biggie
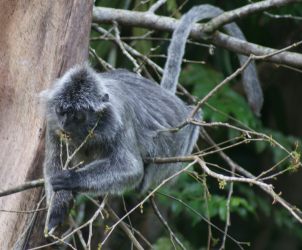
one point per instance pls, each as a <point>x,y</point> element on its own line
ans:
<point>62,201</point>
<point>57,216</point>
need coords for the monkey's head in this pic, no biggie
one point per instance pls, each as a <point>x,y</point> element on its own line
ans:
<point>76,102</point>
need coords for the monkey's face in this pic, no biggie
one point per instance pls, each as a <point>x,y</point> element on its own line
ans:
<point>75,122</point>
<point>76,103</point>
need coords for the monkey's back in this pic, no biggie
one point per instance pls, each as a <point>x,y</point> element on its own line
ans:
<point>152,111</point>
<point>150,107</point>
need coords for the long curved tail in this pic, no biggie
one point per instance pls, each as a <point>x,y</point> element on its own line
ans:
<point>177,48</point>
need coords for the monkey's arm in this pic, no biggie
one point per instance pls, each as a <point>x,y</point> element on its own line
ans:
<point>52,165</point>
<point>101,176</point>
<point>123,169</point>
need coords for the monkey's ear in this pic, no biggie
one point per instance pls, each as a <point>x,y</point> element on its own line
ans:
<point>105,98</point>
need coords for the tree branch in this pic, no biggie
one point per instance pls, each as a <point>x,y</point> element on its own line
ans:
<point>201,31</point>
<point>239,46</point>
<point>230,16</point>
<point>23,187</point>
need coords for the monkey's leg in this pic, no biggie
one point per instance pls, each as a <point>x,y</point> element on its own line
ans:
<point>61,203</point>
<point>58,202</point>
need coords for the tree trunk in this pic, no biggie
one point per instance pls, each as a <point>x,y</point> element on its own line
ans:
<point>39,40</point>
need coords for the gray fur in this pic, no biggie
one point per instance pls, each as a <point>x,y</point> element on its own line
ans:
<point>129,111</point>
<point>177,48</point>
<point>127,134</point>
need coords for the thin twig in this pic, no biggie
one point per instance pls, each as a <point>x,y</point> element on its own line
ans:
<point>275,16</point>
<point>203,218</point>
<point>156,5</point>
<point>228,212</point>
<point>276,198</point>
<point>58,239</point>
<point>125,228</point>
<point>125,52</point>
<point>29,225</point>
<point>24,211</point>
<point>102,62</point>
<point>128,218</point>
<point>90,133</point>
<point>144,38</point>
<point>232,15</point>
<point>145,199</point>
<point>91,220</point>
<point>206,199</point>
<point>215,89</point>
<point>79,233</point>
<point>165,223</point>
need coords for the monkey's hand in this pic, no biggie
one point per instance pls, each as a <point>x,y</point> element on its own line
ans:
<point>65,180</point>
<point>59,208</point>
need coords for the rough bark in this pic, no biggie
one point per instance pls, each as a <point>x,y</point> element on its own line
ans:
<point>39,40</point>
